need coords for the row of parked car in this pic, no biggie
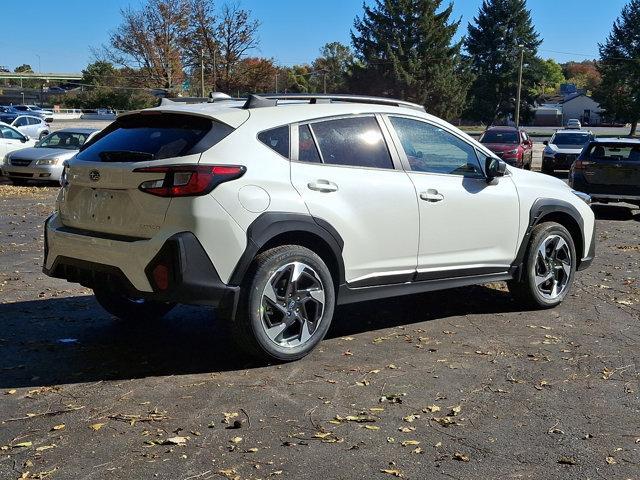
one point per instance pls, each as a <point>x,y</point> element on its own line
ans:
<point>608,169</point>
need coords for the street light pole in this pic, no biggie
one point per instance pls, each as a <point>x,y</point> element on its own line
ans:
<point>39,67</point>
<point>202,72</point>
<point>519,85</point>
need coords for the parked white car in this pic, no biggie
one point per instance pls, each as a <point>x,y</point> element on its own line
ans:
<point>11,139</point>
<point>32,127</point>
<point>46,115</point>
<point>278,209</point>
<point>574,124</point>
<point>44,161</point>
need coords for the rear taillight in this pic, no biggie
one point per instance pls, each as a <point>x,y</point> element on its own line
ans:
<point>581,164</point>
<point>188,180</point>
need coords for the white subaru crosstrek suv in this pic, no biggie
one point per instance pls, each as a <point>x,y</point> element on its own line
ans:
<point>279,208</point>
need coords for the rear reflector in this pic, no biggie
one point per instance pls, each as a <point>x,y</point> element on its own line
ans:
<point>188,180</point>
<point>161,276</point>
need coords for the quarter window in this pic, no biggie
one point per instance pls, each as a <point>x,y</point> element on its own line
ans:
<point>356,142</point>
<point>432,149</point>
<point>276,139</point>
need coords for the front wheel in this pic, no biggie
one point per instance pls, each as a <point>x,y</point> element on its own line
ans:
<point>286,304</point>
<point>548,268</point>
<point>128,308</point>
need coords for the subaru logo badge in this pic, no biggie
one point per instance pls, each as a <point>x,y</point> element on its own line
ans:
<point>94,175</point>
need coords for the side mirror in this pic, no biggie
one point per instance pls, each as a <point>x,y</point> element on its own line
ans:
<point>494,167</point>
<point>546,142</point>
<point>24,139</point>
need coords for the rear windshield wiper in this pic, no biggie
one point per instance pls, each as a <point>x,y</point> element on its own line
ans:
<point>125,156</point>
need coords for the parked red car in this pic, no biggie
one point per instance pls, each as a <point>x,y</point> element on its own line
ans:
<point>511,144</point>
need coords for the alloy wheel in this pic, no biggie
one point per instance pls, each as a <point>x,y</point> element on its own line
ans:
<point>292,305</point>
<point>553,267</point>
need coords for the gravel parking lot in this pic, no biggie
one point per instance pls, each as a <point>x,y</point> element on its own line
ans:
<point>462,384</point>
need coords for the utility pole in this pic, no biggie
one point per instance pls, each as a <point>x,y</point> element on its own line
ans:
<point>215,69</point>
<point>202,72</point>
<point>324,81</point>
<point>519,86</point>
<point>276,82</point>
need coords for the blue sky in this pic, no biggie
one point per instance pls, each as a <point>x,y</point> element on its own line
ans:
<point>292,31</point>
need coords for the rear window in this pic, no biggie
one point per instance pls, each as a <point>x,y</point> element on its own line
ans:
<point>616,152</point>
<point>143,137</point>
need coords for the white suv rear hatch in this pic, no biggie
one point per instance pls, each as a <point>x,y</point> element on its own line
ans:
<point>101,187</point>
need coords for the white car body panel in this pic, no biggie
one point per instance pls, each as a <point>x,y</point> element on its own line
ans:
<point>386,229</point>
<point>8,145</point>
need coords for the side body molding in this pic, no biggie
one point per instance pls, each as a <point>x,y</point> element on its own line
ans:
<point>272,224</point>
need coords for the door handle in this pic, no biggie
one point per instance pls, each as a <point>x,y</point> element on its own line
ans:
<point>324,186</point>
<point>431,195</point>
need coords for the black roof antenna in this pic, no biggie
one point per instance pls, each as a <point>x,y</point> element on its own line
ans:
<point>256,101</point>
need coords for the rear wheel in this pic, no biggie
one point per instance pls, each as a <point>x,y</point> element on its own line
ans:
<point>548,269</point>
<point>286,304</point>
<point>129,308</point>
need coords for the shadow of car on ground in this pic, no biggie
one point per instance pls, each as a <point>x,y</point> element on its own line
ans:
<point>72,340</point>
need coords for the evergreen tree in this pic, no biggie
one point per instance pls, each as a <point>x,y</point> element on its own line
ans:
<point>501,29</point>
<point>619,92</point>
<point>405,49</point>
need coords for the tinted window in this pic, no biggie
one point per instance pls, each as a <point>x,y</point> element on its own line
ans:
<point>500,136</point>
<point>277,139</point>
<point>307,150</point>
<point>563,138</point>
<point>66,140</point>
<point>34,121</point>
<point>21,122</point>
<point>142,137</point>
<point>432,149</point>
<point>10,133</point>
<point>352,141</point>
<point>615,152</point>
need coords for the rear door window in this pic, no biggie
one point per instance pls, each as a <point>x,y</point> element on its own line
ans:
<point>143,137</point>
<point>356,142</point>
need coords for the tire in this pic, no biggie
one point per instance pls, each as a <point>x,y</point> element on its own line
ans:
<point>279,319</point>
<point>130,309</point>
<point>19,182</point>
<point>557,266</point>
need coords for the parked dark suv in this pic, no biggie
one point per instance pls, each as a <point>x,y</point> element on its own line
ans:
<point>608,169</point>
<point>511,144</point>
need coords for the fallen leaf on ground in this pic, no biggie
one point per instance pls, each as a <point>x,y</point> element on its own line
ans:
<point>461,457</point>
<point>175,441</point>
<point>11,392</point>
<point>22,445</point>
<point>410,443</point>
<point>58,427</point>
<point>567,461</point>
<point>96,426</point>
<point>431,409</point>
<point>611,460</point>
<point>392,471</point>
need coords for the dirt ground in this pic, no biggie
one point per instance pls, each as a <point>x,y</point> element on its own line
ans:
<point>460,384</point>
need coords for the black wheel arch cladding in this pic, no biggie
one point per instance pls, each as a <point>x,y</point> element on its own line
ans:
<point>270,225</point>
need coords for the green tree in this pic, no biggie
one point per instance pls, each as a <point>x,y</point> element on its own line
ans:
<point>333,66</point>
<point>619,92</point>
<point>405,49</point>
<point>498,34</point>
<point>551,77</point>
<point>24,68</point>
<point>100,72</point>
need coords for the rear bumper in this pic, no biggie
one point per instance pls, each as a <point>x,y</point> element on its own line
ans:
<point>605,193</point>
<point>129,263</point>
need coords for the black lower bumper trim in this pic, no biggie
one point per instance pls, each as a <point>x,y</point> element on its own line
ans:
<point>194,280</point>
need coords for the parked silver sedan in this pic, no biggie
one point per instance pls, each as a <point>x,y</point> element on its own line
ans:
<point>44,161</point>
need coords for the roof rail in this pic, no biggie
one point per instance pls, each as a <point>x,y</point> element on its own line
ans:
<point>330,98</point>
<point>213,97</point>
